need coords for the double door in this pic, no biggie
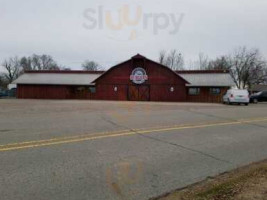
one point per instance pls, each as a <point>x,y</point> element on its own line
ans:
<point>138,93</point>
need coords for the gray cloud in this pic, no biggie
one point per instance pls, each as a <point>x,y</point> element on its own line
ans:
<point>56,27</point>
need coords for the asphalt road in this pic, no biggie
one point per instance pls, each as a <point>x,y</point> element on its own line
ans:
<point>121,150</point>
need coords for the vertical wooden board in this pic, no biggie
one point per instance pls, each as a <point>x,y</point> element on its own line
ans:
<point>144,93</point>
<point>164,93</point>
<point>206,96</point>
<point>160,79</point>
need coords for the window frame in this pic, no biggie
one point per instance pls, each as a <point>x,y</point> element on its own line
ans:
<point>215,93</point>
<point>194,94</point>
<point>92,89</point>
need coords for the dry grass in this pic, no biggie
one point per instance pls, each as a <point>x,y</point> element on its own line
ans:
<point>246,183</point>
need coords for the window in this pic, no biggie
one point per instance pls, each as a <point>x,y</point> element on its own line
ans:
<point>215,91</point>
<point>264,94</point>
<point>80,88</point>
<point>92,89</point>
<point>194,91</point>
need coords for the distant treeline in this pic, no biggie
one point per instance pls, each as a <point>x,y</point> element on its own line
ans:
<point>246,66</point>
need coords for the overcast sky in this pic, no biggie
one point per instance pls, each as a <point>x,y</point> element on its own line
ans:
<point>64,28</point>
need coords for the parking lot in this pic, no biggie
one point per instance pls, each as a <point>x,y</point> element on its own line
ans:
<point>121,150</point>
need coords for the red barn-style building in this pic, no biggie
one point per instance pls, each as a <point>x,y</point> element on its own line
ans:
<point>137,79</point>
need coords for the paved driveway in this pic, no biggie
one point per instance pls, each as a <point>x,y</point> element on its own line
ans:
<point>121,150</point>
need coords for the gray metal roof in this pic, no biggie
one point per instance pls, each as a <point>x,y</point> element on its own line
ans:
<point>195,79</point>
<point>56,79</point>
<point>208,79</point>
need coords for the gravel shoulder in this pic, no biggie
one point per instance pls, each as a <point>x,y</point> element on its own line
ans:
<point>246,183</point>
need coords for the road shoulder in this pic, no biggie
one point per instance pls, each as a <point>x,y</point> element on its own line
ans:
<point>246,183</point>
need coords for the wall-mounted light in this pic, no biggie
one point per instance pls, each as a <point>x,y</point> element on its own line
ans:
<point>172,89</point>
<point>115,89</point>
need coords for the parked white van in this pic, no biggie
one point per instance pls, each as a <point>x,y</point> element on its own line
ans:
<point>236,96</point>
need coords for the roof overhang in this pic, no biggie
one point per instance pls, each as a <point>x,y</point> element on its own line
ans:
<point>56,79</point>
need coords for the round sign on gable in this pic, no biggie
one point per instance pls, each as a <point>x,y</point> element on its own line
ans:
<point>138,76</point>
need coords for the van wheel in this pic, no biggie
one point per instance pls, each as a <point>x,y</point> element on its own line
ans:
<point>228,102</point>
<point>246,104</point>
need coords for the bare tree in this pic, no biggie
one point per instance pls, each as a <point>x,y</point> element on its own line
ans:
<point>247,67</point>
<point>12,67</point>
<point>15,66</point>
<point>2,81</point>
<point>203,61</point>
<point>39,62</point>
<point>220,63</point>
<point>257,75</point>
<point>90,66</point>
<point>162,57</point>
<point>26,63</point>
<point>174,60</point>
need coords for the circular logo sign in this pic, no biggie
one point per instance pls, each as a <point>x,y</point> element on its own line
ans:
<point>138,76</point>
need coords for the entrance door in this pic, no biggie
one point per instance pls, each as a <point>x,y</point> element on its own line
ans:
<point>144,93</point>
<point>138,93</point>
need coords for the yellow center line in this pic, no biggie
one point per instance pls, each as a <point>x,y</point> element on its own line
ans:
<point>61,138</point>
<point>97,136</point>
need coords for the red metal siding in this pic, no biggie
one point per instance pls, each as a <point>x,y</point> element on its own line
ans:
<point>160,81</point>
<point>50,92</point>
<point>205,95</point>
<point>163,93</point>
<point>163,84</point>
<point>106,92</point>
